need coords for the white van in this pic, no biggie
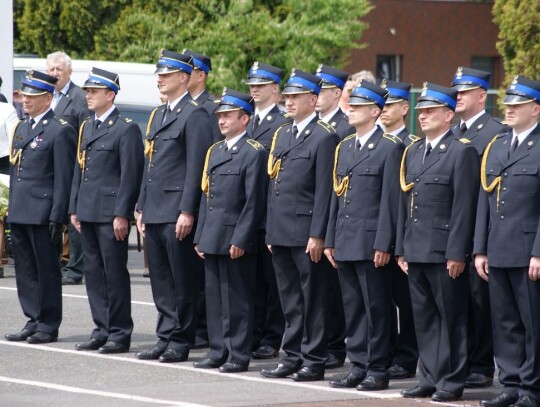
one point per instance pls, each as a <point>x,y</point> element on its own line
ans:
<point>138,84</point>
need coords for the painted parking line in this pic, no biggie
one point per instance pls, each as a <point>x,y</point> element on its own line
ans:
<point>80,390</point>
<point>283,382</point>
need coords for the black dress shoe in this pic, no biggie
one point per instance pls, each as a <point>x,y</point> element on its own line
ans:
<point>444,396</point>
<point>307,374</point>
<point>265,352</point>
<point>200,343</point>
<point>41,337</point>
<point>373,383</point>
<point>150,354</point>
<point>113,347</point>
<point>418,392</point>
<point>208,364</point>
<point>526,401</point>
<point>92,344</point>
<point>20,336</point>
<point>477,380</point>
<point>348,382</point>
<point>502,400</point>
<point>396,372</point>
<point>280,371</point>
<point>173,356</point>
<point>333,362</point>
<point>233,368</point>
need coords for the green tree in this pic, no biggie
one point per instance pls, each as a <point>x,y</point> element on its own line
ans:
<point>234,33</point>
<point>519,34</point>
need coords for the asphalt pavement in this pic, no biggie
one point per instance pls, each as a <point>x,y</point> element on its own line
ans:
<point>58,375</point>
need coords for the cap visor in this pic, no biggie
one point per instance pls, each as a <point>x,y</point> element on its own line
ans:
<point>226,108</point>
<point>424,104</point>
<point>328,85</point>
<point>165,70</point>
<point>391,100</point>
<point>31,91</point>
<point>295,90</point>
<point>516,100</point>
<point>258,81</point>
<point>465,87</point>
<point>356,100</point>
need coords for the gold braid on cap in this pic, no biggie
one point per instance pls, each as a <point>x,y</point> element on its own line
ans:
<point>402,179</point>
<point>340,187</point>
<point>15,158</point>
<point>81,156</point>
<point>273,164</point>
<point>483,177</point>
<point>205,180</point>
<point>149,144</point>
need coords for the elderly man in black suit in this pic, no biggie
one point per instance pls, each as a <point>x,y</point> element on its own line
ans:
<point>179,134</point>
<point>434,237</point>
<point>103,194</point>
<point>300,168</point>
<point>232,208</point>
<point>507,245</point>
<point>42,158</point>
<point>69,103</point>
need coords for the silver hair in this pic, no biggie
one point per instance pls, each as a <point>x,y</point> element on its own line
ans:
<point>59,56</point>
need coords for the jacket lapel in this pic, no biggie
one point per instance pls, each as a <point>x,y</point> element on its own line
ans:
<point>523,150</point>
<point>32,134</point>
<point>295,142</point>
<point>435,155</point>
<point>369,145</point>
<point>220,156</point>
<point>265,123</point>
<point>174,113</point>
<point>104,127</point>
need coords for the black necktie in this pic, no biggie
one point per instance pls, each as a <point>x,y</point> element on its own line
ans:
<point>513,146</point>
<point>428,150</point>
<point>295,132</point>
<point>96,125</point>
<point>357,147</point>
<point>32,122</point>
<point>167,111</point>
<point>255,123</point>
<point>463,128</point>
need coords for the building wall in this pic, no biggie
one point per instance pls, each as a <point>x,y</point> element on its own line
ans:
<point>432,37</point>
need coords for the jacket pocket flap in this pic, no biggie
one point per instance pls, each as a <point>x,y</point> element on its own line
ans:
<point>300,154</point>
<point>437,179</point>
<point>371,224</point>
<point>525,170</point>
<point>230,171</point>
<point>108,191</point>
<point>493,170</point>
<point>367,170</point>
<point>441,223</point>
<point>104,146</point>
<point>42,193</point>
<point>342,171</point>
<point>304,210</point>
<point>173,187</point>
<point>409,178</point>
<point>529,227</point>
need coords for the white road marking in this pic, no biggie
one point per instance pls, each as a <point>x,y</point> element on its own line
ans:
<point>82,296</point>
<point>284,382</point>
<point>79,390</point>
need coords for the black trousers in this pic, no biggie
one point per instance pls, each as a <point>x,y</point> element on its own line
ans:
<point>480,341</point>
<point>366,298</point>
<point>269,319</point>
<point>515,308</point>
<point>335,314</point>
<point>107,282</point>
<point>404,349</point>
<point>173,278</point>
<point>302,292</point>
<point>440,317</point>
<point>38,277</point>
<point>229,305</point>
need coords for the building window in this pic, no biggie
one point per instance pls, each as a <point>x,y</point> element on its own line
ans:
<point>389,67</point>
<point>488,64</point>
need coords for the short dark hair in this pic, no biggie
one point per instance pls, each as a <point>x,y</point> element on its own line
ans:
<point>1,82</point>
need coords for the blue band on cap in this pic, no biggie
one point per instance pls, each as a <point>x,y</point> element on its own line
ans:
<point>183,66</point>
<point>441,97</point>
<point>393,92</point>
<point>201,65</point>
<point>104,81</point>
<point>476,81</point>
<point>305,83</point>
<point>369,94</point>
<point>331,78</point>
<point>527,91</point>
<point>39,84</point>
<point>266,74</point>
<point>228,99</point>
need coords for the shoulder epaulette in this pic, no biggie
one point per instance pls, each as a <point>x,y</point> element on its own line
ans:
<point>254,143</point>
<point>193,102</point>
<point>464,140</point>
<point>127,120</point>
<point>348,138</point>
<point>88,119</point>
<point>285,114</point>
<point>414,138</point>
<point>326,126</point>
<point>391,137</point>
<point>217,101</point>
<point>62,121</point>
